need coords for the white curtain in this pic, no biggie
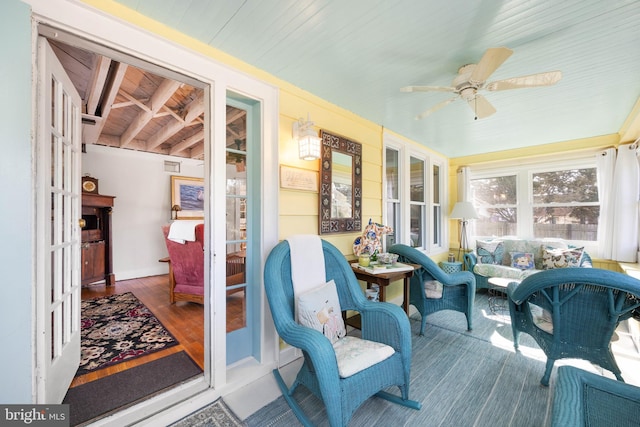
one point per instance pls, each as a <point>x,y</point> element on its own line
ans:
<point>605,166</point>
<point>626,188</point>
<point>464,195</point>
<point>463,184</point>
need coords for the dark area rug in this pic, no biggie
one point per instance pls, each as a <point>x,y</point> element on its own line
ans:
<point>216,414</point>
<point>116,328</point>
<point>98,398</point>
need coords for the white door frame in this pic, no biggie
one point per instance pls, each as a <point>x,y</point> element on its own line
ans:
<point>82,21</point>
<point>58,214</point>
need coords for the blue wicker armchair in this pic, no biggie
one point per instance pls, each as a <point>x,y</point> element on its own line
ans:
<point>572,313</point>
<point>458,289</point>
<point>381,322</point>
<point>583,398</point>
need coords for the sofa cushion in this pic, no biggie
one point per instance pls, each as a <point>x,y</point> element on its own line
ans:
<point>354,354</point>
<point>561,258</point>
<point>522,260</point>
<point>490,251</point>
<point>508,272</point>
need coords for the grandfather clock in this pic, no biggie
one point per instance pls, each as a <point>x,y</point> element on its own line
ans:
<point>97,259</point>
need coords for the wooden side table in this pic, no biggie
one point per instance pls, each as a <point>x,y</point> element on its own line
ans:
<point>385,279</point>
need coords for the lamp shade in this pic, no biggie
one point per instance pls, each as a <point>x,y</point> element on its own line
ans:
<point>464,210</point>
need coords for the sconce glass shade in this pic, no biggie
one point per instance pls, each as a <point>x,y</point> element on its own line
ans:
<point>308,140</point>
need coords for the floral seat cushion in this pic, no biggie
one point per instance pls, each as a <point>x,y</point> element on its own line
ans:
<point>355,354</point>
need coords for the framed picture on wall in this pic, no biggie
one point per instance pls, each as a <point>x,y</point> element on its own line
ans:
<point>187,197</point>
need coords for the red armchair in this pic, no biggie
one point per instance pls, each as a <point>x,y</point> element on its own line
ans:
<point>186,267</point>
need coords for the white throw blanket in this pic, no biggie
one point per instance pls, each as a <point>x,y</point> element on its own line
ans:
<point>183,231</point>
<point>307,262</point>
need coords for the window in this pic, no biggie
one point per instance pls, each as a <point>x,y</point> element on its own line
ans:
<point>392,204</point>
<point>413,196</point>
<point>495,200</point>
<point>565,204</point>
<point>540,201</point>
<point>417,202</point>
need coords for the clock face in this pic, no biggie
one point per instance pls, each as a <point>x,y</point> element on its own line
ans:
<point>89,186</point>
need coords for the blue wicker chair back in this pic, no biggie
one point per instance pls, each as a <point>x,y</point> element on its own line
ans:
<point>458,289</point>
<point>582,308</point>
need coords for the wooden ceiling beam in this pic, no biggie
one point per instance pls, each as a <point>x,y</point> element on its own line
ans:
<point>140,103</point>
<point>197,152</point>
<point>159,98</point>
<point>187,143</point>
<point>91,133</point>
<point>192,111</point>
<point>97,85</point>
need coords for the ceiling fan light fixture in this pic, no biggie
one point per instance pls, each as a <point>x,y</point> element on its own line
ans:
<point>472,78</point>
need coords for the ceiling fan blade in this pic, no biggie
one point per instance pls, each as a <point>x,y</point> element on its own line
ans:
<point>541,79</point>
<point>427,89</point>
<point>481,107</point>
<point>491,60</point>
<point>435,108</point>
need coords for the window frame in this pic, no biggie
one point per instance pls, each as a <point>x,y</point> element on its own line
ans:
<point>406,151</point>
<point>524,190</point>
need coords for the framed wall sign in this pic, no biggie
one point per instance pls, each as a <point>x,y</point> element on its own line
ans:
<point>298,179</point>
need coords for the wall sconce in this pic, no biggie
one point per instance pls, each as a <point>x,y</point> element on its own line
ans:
<point>308,139</point>
<point>174,211</point>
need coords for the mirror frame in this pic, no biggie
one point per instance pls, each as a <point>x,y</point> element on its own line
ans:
<point>331,143</point>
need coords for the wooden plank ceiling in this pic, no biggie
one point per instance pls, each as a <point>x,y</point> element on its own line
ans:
<point>131,108</point>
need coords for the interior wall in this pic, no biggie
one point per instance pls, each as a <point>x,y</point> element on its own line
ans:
<point>142,204</point>
<point>16,227</point>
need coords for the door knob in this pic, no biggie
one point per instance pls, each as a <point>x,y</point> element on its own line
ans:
<point>82,223</point>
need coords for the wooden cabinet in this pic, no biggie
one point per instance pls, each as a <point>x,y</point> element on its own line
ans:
<point>97,260</point>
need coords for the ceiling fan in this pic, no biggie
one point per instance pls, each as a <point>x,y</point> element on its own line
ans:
<point>472,78</point>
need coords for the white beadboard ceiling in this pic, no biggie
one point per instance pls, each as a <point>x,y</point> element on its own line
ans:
<point>357,54</point>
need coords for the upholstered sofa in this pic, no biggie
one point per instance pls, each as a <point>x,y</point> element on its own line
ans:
<point>513,258</point>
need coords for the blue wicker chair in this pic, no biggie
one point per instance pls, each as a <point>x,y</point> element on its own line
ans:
<point>584,307</point>
<point>583,398</point>
<point>381,322</point>
<point>458,290</point>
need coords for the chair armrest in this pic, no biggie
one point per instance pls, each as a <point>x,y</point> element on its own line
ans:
<point>470,261</point>
<point>619,402</point>
<point>314,343</point>
<point>461,278</point>
<point>396,331</point>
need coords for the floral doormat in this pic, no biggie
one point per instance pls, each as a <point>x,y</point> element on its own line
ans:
<point>116,328</point>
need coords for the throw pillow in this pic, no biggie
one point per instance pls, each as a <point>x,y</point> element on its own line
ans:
<point>490,251</point>
<point>561,258</point>
<point>319,309</point>
<point>522,260</point>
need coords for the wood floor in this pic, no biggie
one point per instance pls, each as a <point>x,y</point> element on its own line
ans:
<point>185,320</point>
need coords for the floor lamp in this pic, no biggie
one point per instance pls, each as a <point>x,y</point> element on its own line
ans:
<point>463,211</point>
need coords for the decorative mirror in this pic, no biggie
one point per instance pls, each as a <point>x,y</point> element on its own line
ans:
<point>340,185</point>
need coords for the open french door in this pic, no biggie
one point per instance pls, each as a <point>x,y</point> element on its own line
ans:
<point>58,232</point>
